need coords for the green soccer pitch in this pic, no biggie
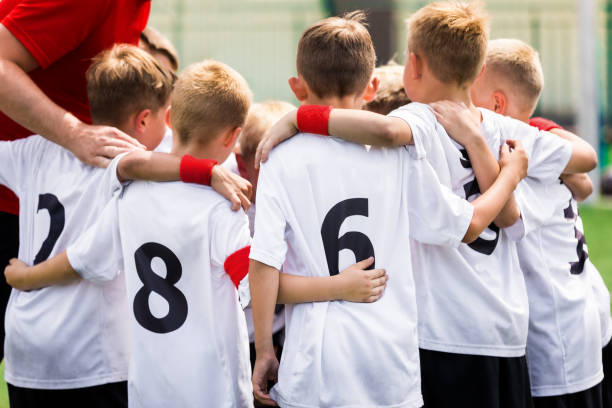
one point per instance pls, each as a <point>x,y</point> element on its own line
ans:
<point>597,224</point>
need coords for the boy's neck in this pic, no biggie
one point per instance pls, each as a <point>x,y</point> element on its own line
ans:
<point>345,102</point>
<point>211,150</point>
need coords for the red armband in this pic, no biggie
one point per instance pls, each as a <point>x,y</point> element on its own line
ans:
<point>544,124</point>
<point>198,171</point>
<point>237,265</point>
<point>313,119</point>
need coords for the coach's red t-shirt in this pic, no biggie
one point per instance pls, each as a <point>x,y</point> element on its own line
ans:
<point>63,36</point>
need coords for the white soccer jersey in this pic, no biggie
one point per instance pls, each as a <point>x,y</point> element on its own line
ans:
<point>323,203</point>
<point>472,299</point>
<point>165,146</point>
<point>188,334</point>
<point>67,336</point>
<point>564,342</point>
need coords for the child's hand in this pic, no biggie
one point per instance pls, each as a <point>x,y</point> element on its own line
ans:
<point>16,274</point>
<point>231,186</point>
<point>513,158</point>
<point>282,130</point>
<point>265,370</point>
<point>458,121</point>
<point>361,285</point>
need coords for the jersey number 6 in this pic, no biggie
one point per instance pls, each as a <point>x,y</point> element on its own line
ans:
<point>152,282</point>
<point>357,242</point>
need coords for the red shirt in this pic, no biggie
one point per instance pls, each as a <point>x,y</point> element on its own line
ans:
<point>63,36</point>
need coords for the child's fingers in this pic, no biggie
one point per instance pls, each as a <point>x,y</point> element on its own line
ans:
<point>377,273</point>
<point>100,161</point>
<point>376,295</point>
<point>366,263</point>
<point>504,150</point>
<point>13,260</point>
<point>378,282</point>
<point>245,203</point>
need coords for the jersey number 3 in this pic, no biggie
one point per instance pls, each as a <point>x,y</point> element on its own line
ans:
<point>355,241</point>
<point>152,282</point>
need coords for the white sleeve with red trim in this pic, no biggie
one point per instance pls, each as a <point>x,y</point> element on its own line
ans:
<point>230,242</point>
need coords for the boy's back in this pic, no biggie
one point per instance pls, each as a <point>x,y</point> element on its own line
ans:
<point>183,306</point>
<point>322,204</point>
<point>59,352</point>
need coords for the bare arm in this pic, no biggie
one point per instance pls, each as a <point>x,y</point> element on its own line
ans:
<point>144,165</point>
<point>54,271</point>
<point>264,282</point>
<point>491,202</point>
<point>354,125</point>
<point>463,125</point>
<point>23,101</point>
<point>580,185</point>
<point>584,157</point>
<point>354,284</point>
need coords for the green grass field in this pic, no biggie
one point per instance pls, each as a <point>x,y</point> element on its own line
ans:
<point>598,226</point>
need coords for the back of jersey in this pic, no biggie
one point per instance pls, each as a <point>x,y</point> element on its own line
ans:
<point>189,338</point>
<point>323,204</point>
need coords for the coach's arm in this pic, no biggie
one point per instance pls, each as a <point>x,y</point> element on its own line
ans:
<point>24,102</point>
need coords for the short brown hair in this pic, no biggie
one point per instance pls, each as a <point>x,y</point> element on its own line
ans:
<point>209,96</point>
<point>125,80</point>
<point>391,94</point>
<point>261,117</point>
<point>336,56</point>
<point>519,65</point>
<point>452,37</point>
<point>157,42</point>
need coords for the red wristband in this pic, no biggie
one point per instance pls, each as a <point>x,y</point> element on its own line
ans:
<point>544,124</point>
<point>196,171</point>
<point>237,265</point>
<point>313,119</point>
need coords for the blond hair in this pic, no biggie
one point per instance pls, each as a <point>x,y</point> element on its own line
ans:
<point>125,80</point>
<point>261,117</point>
<point>452,37</point>
<point>209,97</point>
<point>154,41</point>
<point>519,65</point>
<point>391,94</point>
<point>336,56</point>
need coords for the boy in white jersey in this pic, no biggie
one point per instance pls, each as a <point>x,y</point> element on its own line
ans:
<point>321,204</point>
<point>564,345</point>
<point>472,302</point>
<point>56,353</point>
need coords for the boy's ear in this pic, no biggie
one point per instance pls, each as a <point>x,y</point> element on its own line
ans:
<point>482,70</point>
<point>299,87</point>
<point>232,136</point>
<point>500,102</point>
<point>371,89</point>
<point>167,117</point>
<point>141,119</point>
<point>416,66</point>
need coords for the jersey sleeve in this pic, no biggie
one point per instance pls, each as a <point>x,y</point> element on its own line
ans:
<point>437,216</point>
<point>548,154</point>
<point>422,122</point>
<point>97,255</point>
<point>51,29</point>
<point>112,184</point>
<point>269,245</point>
<point>20,158</point>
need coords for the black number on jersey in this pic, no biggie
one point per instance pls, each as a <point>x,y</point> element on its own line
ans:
<point>471,188</point>
<point>152,282</point>
<point>355,241</point>
<point>57,216</point>
<point>576,268</point>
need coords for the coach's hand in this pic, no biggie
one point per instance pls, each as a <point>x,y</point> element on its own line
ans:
<point>265,371</point>
<point>231,186</point>
<point>98,145</point>
<point>282,130</point>
<point>513,158</point>
<point>361,285</point>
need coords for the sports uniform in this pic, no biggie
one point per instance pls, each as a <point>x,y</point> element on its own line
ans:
<point>322,204</point>
<point>187,329</point>
<point>69,336</point>
<point>472,299</point>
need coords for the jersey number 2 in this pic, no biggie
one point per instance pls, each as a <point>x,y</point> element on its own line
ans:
<point>152,282</point>
<point>355,241</point>
<point>57,216</point>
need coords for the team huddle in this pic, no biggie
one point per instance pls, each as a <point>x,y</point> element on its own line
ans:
<point>409,236</point>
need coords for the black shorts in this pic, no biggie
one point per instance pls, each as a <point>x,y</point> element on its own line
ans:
<point>9,245</point>
<point>470,381</point>
<point>590,398</point>
<point>606,384</point>
<point>113,395</point>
